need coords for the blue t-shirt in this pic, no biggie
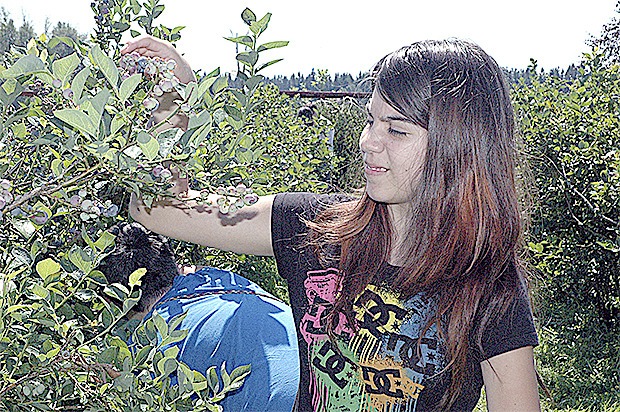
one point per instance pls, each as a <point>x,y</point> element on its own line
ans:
<point>232,319</point>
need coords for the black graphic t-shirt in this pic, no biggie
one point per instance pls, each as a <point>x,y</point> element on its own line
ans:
<point>378,365</point>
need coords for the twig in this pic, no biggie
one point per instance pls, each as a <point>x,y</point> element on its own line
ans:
<point>46,189</point>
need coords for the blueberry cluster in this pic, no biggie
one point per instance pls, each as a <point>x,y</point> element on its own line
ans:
<point>159,71</point>
<point>102,10</point>
<point>92,209</point>
<point>234,198</point>
<point>44,92</point>
<point>160,172</point>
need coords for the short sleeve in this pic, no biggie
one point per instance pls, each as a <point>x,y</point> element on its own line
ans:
<point>288,228</point>
<point>514,330</point>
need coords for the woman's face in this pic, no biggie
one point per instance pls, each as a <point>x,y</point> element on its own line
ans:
<point>394,150</point>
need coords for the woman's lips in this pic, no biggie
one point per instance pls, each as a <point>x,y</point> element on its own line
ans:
<point>374,170</point>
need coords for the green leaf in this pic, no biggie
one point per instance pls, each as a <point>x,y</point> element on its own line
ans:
<point>54,41</point>
<point>63,68</point>
<point>14,308</point>
<point>272,45</point>
<point>148,144</point>
<point>248,16</point>
<point>200,134</point>
<point>26,65</point>
<point>204,117</point>
<point>244,40</point>
<point>214,73</point>
<point>130,303</point>
<point>233,112</point>
<point>116,124</point>
<point>9,91</point>
<point>260,26</point>
<point>171,352</point>
<point>224,374</point>
<point>253,82</point>
<point>56,167</point>
<point>161,325</point>
<point>98,278</point>
<point>24,227</point>
<point>135,7</point>
<point>40,291</point>
<point>167,140</point>
<point>240,372</point>
<point>166,366</point>
<point>100,100</point>
<point>47,267</point>
<point>94,107</point>
<point>248,58</point>
<point>9,86</point>
<point>214,382</point>
<point>142,355</point>
<point>81,259</point>
<point>246,141</point>
<point>175,322</point>
<point>116,291</point>
<point>220,84</point>
<point>105,64</point>
<point>78,84</point>
<point>105,240</point>
<point>136,276</point>
<point>268,64</point>
<point>128,86</point>
<point>78,119</point>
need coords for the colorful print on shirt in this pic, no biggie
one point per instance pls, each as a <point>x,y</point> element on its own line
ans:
<point>377,366</point>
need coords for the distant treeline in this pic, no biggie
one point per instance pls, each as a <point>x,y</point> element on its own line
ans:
<point>322,80</point>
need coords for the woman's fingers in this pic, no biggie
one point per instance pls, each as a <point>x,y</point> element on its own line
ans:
<point>152,47</point>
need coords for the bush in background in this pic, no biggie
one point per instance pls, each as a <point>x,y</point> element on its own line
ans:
<point>571,131</point>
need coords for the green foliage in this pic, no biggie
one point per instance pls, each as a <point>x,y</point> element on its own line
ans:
<point>348,118</point>
<point>281,153</point>
<point>75,139</point>
<point>571,132</point>
<point>115,17</point>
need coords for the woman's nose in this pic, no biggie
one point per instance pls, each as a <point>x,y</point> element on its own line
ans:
<point>370,141</point>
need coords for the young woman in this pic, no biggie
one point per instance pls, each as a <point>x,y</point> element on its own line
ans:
<point>411,297</point>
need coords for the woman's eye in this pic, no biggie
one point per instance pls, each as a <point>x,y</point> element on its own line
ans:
<point>396,132</point>
<point>369,121</point>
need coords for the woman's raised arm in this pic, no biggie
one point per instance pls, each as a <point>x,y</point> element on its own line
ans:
<point>246,231</point>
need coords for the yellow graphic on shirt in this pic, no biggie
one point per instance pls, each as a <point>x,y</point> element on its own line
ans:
<point>381,366</point>
<point>389,386</point>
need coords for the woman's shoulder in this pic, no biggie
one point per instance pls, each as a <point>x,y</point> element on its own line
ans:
<point>307,205</point>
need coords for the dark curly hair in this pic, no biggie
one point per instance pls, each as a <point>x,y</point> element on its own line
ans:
<point>135,248</point>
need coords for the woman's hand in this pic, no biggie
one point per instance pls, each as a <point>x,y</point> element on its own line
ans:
<point>150,46</point>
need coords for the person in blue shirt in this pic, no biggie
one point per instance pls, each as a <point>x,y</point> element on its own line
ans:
<point>229,318</point>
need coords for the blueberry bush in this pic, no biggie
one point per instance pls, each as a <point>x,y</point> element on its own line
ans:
<point>571,130</point>
<point>76,138</point>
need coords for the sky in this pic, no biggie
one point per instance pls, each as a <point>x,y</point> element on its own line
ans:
<point>350,36</point>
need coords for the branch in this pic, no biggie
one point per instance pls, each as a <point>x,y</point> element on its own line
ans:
<point>46,189</point>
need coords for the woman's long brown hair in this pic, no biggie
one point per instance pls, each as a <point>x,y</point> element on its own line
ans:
<point>465,224</point>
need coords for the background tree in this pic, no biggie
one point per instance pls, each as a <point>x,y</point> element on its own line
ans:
<point>609,40</point>
<point>10,34</point>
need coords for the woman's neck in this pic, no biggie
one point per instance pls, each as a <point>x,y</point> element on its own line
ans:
<point>400,222</point>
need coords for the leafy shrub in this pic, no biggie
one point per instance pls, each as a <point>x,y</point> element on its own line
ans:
<point>571,130</point>
<point>75,139</point>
